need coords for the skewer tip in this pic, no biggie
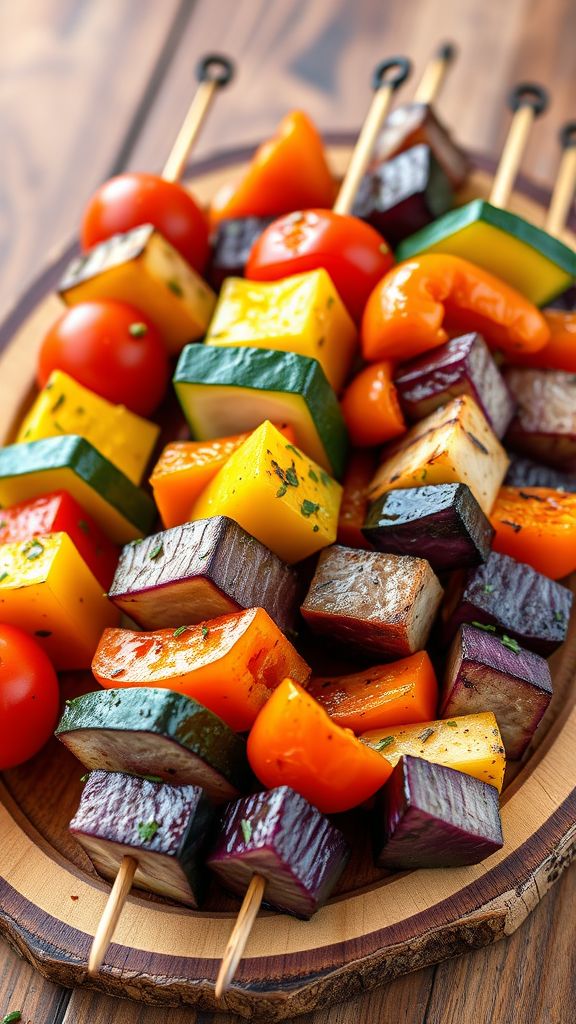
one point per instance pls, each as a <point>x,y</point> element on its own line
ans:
<point>529,94</point>
<point>568,135</point>
<point>447,52</point>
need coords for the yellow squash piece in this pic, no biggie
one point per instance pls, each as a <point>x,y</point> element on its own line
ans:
<point>140,267</point>
<point>277,494</point>
<point>47,589</point>
<point>470,744</point>
<point>302,314</point>
<point>455,444</point>
<point>65,407</point>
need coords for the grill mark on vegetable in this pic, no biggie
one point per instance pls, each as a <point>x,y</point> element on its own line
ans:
<point>514,526</point>
<point>481,447</point>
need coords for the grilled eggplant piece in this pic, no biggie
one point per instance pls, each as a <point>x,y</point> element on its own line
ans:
<point>279,835</point>
<point>463,366</point>
<point>484,672</point>
<point>430,816</point>
<point>566,301</point>
<point>231,247</point>
<point>404,194</point>
<point>199,571</point>
<point>544,427</point>
<point>414,123</point>
<point>443,523</point>
<point>373,601</point>
<point>525,473</point>
<point>155,732</point>
<point>163,827</point>
<point>511,597</point>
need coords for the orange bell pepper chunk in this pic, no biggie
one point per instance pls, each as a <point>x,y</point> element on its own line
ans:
<point>419,303</point>
<point>559,353</point>
<point>537,525</point>
<point>371,408</point>
<point>289,172</point>
<point>357,479</point>
<point>185,468</point>
<point>401,692</point>
<point>230,664</point>
<point>293,742</point>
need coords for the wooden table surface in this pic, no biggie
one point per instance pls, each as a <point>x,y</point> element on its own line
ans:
<point>89,88</point>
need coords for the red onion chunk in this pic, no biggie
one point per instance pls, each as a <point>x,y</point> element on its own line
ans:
<point>483,673</point>
<point>525,473</point>
<point>463,366</point>
<point>282,837</point>
<point>544,427</point>
<point>430,816</point>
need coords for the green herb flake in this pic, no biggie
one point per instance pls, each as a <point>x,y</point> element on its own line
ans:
<point>294,450</point>
<point>12,1017</point>
<point>308,508</point>
<point>246,827</point>
<point>558,616</point>
<point>4,576</point>
<point>488,588</point>
<point>85,777</point>
<point>292,476</point>
<point>330,301</point>
<point>83,525</point>
<point>58,403</point>
<point>175,287</point>
<point>484,626</point>
<point>452,724</point>
<point>315,528</point>
<point>147,830</point>
<point>325,478</point>
<point>281,491</point>
<point>33,550</point>
<point>138,330</point>
<point>135,543</point>
<point>178,632</point>
<point>383,743</point>
<point>313,476</point>
<point>152,778</point>
<point>3,524</point>
<point>205,631</point>
<point>426,734</point>
<point>156,552</point>
<point>511,644</point>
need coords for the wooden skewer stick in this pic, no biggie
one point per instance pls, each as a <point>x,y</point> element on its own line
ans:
<point>213,73</point>
<point>565,186</point>
<point>434,75</point>
<point>384,90</point>
<point>116,900</point>
<point>527,101</point>
<point>240,934</point>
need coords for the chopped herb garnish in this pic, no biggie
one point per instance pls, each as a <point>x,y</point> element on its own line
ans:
<point>138,330</point>
<point>147,830</point>
<point>452,724</point>
<point>484,626</point>
<point>12,1017</point>
<point>292,476</point>
<point>308,508</point>
<point>246,830</point>
<point>58,403</point>
<point>424,474</point>
<point>291,448</point>
<point>178,632</point>
<point>43,632</point>
<point>325,478</point>
<point>313,476</point>
<point>3,576</point>
<point>175,287</point>
<point>488,588</point>
<point>330,302</point>
<point>426,734</point>
<point>558,616</point>
<point>383,743</point>
<point>205,631</point>
<point>33,550</point>
<point>3,523</point>
<point>315,528</point>
<point>281,491</point>
<point>511,644</point>
<point>85,777</point>
<point>152,778</point>
<point>135,543</point>
<point>384,249</point>
<point>157,550</point>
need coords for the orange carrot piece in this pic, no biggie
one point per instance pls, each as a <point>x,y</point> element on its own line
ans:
<point>357,478</point>
<point>537,525</point>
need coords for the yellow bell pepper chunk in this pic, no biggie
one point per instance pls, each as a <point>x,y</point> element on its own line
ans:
<point>277,494</point>
<point>471,744</point>
<point>65,407</point>
<point>47,589</point>
<point>302,314</point>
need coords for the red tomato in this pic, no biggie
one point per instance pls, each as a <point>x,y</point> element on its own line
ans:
<point>112,349</point>
<point>353,253</point>
<point>29,697</point>
<point>129,200</point>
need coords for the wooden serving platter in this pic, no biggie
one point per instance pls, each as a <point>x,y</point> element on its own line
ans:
<point>377,927</point>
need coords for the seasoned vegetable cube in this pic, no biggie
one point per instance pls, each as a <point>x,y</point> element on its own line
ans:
<point>199,571</point>
<point>230,664</point>
<point>544,427</point>
<point>141,268</point>
<point>65,407</point>
<point>470,744</point>
<point>47,589</point>
<point>443,523</point>
<point>430,816</point>
<point>277,494</point>
<point>482,672</point>
<point>463,366</point>
<point>537,525</point>
<point>163,827</point>
<point>453,445</point>
<point>302,314</point>
<point>286,840</point>
<point>374,601</point>
<point>231,246</point>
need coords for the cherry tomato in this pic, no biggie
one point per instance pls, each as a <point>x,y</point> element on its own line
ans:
<point>353,253</point>
<point>29,697</point>
<point>129,200</point>
<point>112,349</point>
<point>371,408</point>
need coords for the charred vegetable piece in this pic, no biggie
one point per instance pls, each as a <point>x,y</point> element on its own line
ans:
<point>294,742</point>
<point>404,194</point>
<point>525,473</point>
<point>471,744</point>
<point>443,523</point>
<point>483,672</point>
<point>230,664</point>
<point>163,827</point>
<point>412,124</point>
<point>151,732</point>
<point>359,473</point>
<point>454,444</point>
<point>286,840</point>
<point>430,816</point>
<point>463,366</point>
<point>373,601</point>
<point>544,427</point>
<point>199,571</point>
<point>511,597</point>
<point>537,525</point>
<point>231,246</point>
<point>565,301</point>
<point>404,691</point>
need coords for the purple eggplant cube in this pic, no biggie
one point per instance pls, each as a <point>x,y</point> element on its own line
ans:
<point>525,473</point>
<point>279,835</point>
<point>463,366</point>
<point>544,428</point>
<point>163,827</point>
<point>442,523</point>
<point>231,246</point>
<point>431,816</point>
<point>483,672</point>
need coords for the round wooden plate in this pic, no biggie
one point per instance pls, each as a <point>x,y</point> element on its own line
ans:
<point>378,926</point>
